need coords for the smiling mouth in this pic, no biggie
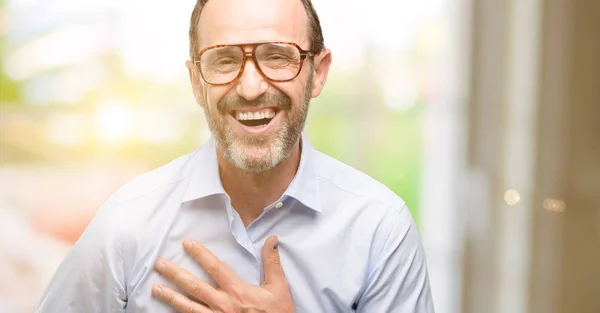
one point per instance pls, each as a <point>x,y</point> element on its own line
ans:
<point>255,119</point>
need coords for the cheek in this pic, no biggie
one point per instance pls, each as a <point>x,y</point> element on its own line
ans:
<point>213,94</point>
<point>294,91</point>
<point>307,79</point>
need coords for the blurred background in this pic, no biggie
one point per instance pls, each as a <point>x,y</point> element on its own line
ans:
<point>484,115</point>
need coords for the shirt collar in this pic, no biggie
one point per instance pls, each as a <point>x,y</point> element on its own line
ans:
<point>204,176</point>
<point>305,185</point>
<point>205,180</point>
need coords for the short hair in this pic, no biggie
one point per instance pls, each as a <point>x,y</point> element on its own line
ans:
<point>315,31</point>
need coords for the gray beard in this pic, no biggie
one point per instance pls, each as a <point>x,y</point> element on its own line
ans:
<point>282,141</point>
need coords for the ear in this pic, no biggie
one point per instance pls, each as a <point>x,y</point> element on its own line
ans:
<point>321,68</point>
<point>196,81</point>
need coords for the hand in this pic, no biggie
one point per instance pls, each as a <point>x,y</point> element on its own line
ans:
<point>234,295</point>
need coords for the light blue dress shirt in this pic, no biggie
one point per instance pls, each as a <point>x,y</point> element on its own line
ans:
<point>347,242</point>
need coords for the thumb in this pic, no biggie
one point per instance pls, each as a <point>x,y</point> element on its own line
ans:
<point>272,262</point>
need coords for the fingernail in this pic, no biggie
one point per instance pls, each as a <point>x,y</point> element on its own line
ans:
<point>160,266</point>
<point>187,243</point>
<point>276,246</point>
<point>156,290</point>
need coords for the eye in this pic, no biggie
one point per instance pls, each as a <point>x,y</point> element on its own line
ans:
<point>278,57</point>
<point>225,61</point>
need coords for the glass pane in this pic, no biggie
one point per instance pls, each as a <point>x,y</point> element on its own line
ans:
<point>221,65</point>
<point>278,61</point>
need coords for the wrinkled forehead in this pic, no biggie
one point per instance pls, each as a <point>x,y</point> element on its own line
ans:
<point>248,21</point>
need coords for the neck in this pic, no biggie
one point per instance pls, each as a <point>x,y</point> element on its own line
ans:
<point>250,193</point>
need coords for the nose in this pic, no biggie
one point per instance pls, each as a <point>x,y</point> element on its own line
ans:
<point>251,84</point>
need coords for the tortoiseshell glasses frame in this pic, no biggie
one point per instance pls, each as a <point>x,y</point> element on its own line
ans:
<point>245,55</point>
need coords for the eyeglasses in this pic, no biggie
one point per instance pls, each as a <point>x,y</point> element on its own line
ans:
<point>275,61</point>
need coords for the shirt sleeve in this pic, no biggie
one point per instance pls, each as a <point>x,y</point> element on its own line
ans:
<point>90,278</point>
<point>399,281</point>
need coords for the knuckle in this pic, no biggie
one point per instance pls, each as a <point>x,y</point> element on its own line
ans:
<point>213,268</point>
<point>275,259</point>
<point>194,288</point>
<point>236,292</point>
<point>170,297</point>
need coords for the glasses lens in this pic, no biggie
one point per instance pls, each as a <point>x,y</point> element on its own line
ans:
<point>278,61</point>
<point>221,65</point>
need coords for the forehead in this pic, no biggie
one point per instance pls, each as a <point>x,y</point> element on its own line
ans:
<point>246,21</point>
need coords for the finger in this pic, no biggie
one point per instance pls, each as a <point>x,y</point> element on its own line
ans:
<point>215,268</point>
<point>192,285</point>
<point>272,262</point>
<point>178,301</point>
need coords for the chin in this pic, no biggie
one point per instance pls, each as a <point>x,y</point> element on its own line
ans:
<point>256,159</point>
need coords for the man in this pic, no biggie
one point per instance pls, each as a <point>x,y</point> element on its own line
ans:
<point>344,241</point>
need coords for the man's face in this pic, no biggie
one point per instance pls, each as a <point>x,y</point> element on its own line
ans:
<point>281,106</point>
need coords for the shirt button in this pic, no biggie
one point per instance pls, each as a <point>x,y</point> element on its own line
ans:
<point>278,205</point>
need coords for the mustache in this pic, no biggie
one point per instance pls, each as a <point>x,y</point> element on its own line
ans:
<point>236,102</point>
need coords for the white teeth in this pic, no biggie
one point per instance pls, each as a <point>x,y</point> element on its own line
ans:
<point>268,113</point>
